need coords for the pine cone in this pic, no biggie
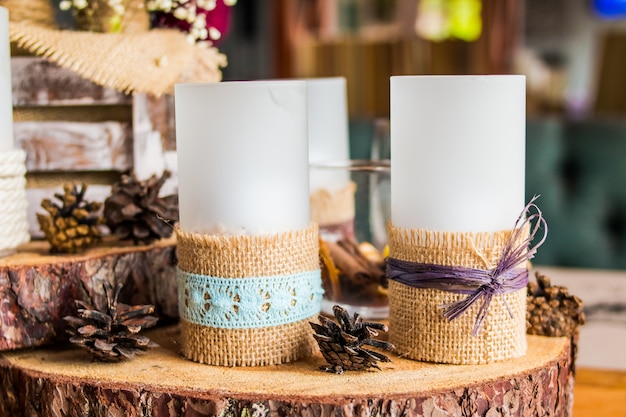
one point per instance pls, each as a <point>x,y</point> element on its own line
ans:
<point>112,335</point>
<point>73,225</point>
<point>341,345</point>
<point>135,211</point>
<point>552,310</point>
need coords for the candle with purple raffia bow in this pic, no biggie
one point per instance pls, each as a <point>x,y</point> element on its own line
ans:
<point>461,234</point>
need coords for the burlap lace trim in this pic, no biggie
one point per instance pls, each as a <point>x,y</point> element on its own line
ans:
<point>286,253</point>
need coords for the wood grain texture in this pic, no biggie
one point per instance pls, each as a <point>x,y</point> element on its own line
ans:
<point>39,82</point>
<point>38,289</point>
<point>63,382</point>
<point>75,146</point>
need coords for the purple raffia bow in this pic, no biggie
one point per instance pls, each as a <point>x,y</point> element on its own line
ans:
<point>478,284</point>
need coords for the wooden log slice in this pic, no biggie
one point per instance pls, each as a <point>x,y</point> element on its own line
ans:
<point>64,382</point>
<point>38,289</point>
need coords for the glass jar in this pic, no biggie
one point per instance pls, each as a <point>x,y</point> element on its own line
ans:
<point>350,201</point>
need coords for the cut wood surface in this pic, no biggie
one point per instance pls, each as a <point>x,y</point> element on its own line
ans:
<point>65,382</point>
<point>38,289</point>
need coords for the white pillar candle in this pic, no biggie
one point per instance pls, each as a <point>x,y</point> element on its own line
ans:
<point>458,152</point>
<point>328,131</point>
<point>6,92</point>
<point>242,157</point>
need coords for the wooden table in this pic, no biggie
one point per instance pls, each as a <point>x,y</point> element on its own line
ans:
<point>599,393</point>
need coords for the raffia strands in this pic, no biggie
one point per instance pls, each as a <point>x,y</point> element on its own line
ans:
<point>146,62</point>
<point>416,324</point>
<point>38,12</point>
<point>242,257</point>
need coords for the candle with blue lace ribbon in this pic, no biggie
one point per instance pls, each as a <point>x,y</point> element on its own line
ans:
<point>248,256</point>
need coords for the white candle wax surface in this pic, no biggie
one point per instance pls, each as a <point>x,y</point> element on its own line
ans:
<point>242,157</point>
<point>6,91</point>
<point>328,132</point>
<point>458,152</point>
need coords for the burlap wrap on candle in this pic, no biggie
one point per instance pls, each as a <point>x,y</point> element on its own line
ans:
<point>333,207</point>
<point>233,257</point>
<point>416,324</point>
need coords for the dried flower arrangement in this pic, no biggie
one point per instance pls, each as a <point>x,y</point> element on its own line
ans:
<point>97,15</point>
<point>204,21</point>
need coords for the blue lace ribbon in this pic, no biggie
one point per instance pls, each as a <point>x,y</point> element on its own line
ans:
<point>253,302</point>
<point>478,284</point>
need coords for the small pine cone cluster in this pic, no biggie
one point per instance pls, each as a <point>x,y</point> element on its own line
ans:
<point>111,335</point>
<point>552,310</point>
<point>136,211</point>
<point>342,344</point>
<point>72,225</point>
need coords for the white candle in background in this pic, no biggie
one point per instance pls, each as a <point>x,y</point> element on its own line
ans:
<point>458,152</point>
<point>242,157</point>
<point>328,131</point>
<point>6,92</point>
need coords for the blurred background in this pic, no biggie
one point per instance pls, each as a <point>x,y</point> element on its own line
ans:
<point>573,53</point>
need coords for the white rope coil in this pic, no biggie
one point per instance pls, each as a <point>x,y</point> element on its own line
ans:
<point>12,202</point>
<point>12,163</point>
<point>13,205</point>
<point>12,184</point>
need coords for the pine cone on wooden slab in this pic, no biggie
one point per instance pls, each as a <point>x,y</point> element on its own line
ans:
<point>136,211</point>
<point>72,225</point>
<point>342,344</point>
<point>111,335</point>
<point>552,310</point>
